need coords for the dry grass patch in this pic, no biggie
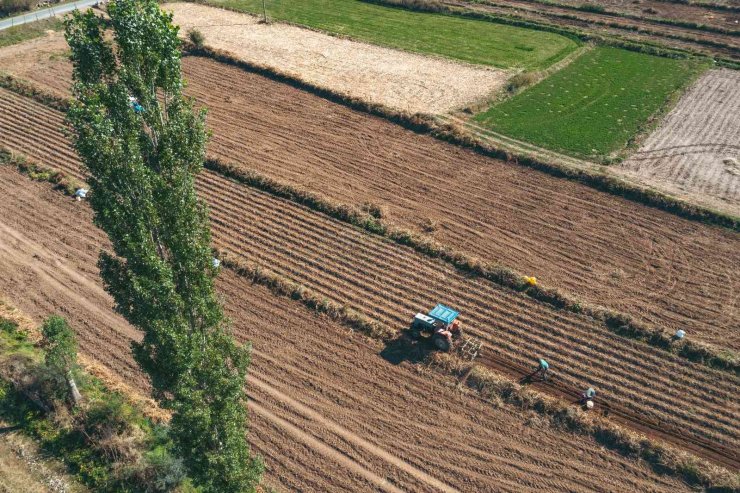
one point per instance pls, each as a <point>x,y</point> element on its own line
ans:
<point>696,150</point>
<point>396,79</point>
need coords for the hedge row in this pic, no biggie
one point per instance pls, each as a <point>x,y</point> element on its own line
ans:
<point>495,387</point>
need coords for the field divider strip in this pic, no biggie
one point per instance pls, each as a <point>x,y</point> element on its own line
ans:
<point>490,384</point>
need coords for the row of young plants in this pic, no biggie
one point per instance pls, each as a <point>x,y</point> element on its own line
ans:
<point>497,388</point>
<point>37,172</point>
<point>106,442</point>
<point>595,8</point>
<point>372,222</point>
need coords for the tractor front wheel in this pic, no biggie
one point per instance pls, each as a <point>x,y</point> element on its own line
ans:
<point>441,343</point>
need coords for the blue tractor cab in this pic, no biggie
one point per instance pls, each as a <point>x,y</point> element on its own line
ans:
<point>439,324</point>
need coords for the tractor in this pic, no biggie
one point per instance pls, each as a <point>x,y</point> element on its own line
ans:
<point>443,328</point>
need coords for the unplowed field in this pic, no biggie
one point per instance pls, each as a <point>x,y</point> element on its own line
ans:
<point>396,79</point>
<point>682,402</point>
<point>327,413</point>
<point>659,268</point>
<point>697,147</point>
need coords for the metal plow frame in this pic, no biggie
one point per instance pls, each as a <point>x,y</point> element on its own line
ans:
<point>469,348</point>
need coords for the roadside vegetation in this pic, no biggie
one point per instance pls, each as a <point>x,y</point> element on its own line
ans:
<point>594,106</point>
<point>469,40</point>
<point>106,442</point>
<point>18,34</point>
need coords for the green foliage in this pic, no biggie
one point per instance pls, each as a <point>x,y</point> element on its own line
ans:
<point>15,7</point>
<point>595,105</point>
<point>470,40</point>
<point>142,158</point>
<point>24,32</point>
<point>60,345</point>
<point>196,37</point>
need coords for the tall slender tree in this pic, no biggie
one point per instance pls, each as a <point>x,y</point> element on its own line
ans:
<point>143,143</point>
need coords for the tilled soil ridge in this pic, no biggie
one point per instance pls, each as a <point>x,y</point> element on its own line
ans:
<point>327,413</point>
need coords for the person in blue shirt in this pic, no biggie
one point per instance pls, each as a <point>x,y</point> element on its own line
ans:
<point>542,369</point>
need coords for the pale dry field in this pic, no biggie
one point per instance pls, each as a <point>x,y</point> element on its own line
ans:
<point>696,150</point>
<point>393,78</point>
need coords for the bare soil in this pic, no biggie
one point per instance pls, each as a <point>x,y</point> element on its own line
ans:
<point>687,404</point>
<point>392,78</point>
<point>41,60</point>
<point>663,270</point>
<point>697,147</point>
<point>327,412</point>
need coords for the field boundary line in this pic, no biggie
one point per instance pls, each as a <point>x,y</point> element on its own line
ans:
<point>593,177</point>
<point>370,222</point>
<point>490,384</point>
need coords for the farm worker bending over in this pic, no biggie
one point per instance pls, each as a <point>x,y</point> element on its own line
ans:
<point>542,368</point>
<point>80,194</point>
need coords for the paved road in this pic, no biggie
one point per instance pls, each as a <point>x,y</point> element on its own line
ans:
<point>45,13</point>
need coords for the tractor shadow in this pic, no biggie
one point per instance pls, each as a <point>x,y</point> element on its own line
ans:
<point>404,349</point>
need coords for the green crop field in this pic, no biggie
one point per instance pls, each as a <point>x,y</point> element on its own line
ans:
<point>593,106</point>
<point>469,40</point>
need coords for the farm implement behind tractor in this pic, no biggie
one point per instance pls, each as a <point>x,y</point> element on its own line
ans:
<point>443,329</point>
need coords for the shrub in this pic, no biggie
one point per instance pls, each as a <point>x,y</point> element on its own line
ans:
<point>590,7</point>
<point>520,81</point>
<point>10,7</point>
<point>196,37</point>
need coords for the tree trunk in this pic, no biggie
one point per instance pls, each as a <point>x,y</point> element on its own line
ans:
<point>73,392</point>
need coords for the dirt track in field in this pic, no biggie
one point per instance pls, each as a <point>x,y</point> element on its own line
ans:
<point>689,402</point>
<point>664,270</point>
<point>697,147</point>
<point>393,78</point>
<point>328,416</point>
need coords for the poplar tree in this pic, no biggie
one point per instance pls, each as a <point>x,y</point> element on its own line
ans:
<point>142,144</point>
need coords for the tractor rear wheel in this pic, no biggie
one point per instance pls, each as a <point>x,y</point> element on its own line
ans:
<point>441,343</point>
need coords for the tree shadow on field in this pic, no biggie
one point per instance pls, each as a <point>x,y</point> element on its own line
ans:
<point>403,348</point>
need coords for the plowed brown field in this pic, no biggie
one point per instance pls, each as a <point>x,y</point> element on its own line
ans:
<point>664,270</point>
<point>327,413</point>
<point>685,403</point>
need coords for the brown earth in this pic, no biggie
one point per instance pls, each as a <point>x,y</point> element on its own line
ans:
<point>642,29</point>
<point>697,147</point>
<point>327,412</point>
<point>691,404</point>
<point>664,270</point>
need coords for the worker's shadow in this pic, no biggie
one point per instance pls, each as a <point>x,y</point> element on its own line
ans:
<point>403,349</point>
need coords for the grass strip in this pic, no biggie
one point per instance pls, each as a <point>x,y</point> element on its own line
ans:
<point>24,32</point>
<point>61,181</point>
<point>496,388</point>
<point>469,40</point>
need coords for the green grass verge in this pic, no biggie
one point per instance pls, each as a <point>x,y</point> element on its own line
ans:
<point>469,40</point>
<point>594,106</point>
<point>25,32</point>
